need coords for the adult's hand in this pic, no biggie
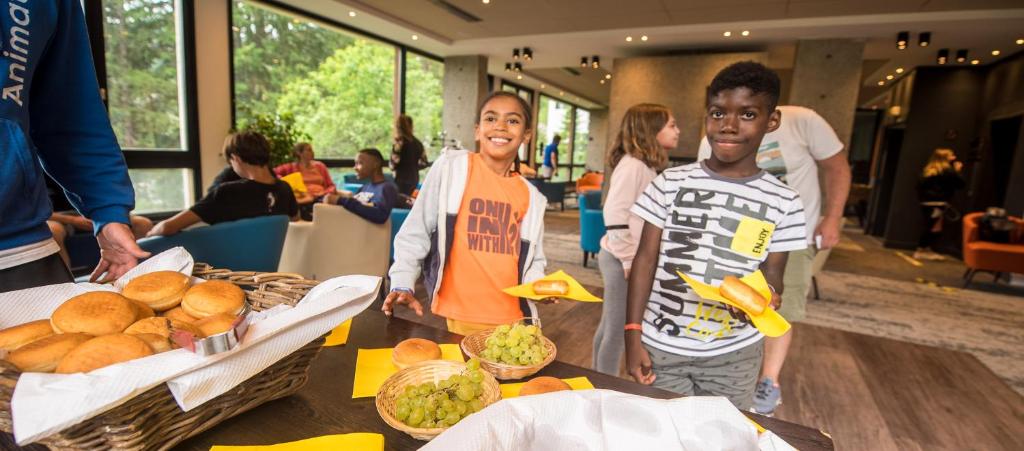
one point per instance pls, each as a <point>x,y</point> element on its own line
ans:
<point>118,252</point>
<point>828,229</point>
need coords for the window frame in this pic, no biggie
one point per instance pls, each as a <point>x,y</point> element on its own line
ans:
<point>570,134</point>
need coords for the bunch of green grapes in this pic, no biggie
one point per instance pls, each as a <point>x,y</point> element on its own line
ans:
<point>443,404</point>
<point>517,344</point>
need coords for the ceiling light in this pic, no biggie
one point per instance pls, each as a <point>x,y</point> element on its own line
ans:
<point>519,77</point>
<point>1020,42</point>
<point>595,62</point>
<point>561,93</point>
<point>487,2</point>
<point>643,38</point>
<point>901,39</point>
<point>351,13</point>
<point>727,34</point>
<point>583,62</point>
<point>415,37</point>
<point>542,86</point>
<point>889,77</point>
<point>961,55</point>
<point>602,81</point>
<point>975,62</point>
<point>515,54</point>
<point>517,67</point>
<point>608,76</point>
<point>745,33</point>
<point>881,82</point>
<point>924,39</point>
<point>995,53</point>
<point>629,39</point>
<point>899,70</point>
<point>508,67</point>
<point>527,54</point>
<point>942,56</point>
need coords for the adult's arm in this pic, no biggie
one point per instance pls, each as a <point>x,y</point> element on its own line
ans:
<point>837,178</point>
<point>284,169</point>
<point>329,186</point>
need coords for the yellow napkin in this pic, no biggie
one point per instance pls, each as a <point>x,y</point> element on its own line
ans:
<point>295,181</point>
<point>360,441</point>
<point>374,366</point>
<point>576,291</point>
<point>768,322</point>
<point>339,335</point>
<point>577,383</point>
<point>760,429</point>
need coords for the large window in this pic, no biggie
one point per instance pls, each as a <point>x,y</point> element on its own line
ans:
<point>424,100</point>
<point>570,122</point>
<point>144,70</point>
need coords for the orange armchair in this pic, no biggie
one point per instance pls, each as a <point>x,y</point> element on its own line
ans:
<point>589,182</point>
<point>997,258</point>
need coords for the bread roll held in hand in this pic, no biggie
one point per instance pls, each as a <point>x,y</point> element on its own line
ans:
<point>15,337</point>
<point>160,290</point>
<point>94,313</point>
<point>543,384</point>
<point>43,355</point>
<point>551,287</point>
<point>414,350</point>
<point>743,295</point>
<point>213,297</point>
<point>103,351</point>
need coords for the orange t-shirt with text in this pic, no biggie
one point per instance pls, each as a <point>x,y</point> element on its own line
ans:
<point>485,250</point>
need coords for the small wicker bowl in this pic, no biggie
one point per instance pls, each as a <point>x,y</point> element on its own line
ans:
<point>473,345</point>
<point>430,371</point>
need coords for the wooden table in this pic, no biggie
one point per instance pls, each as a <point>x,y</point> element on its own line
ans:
<point>325,405</point>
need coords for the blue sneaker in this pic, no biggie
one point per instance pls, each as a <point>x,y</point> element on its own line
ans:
<point>766,397</point>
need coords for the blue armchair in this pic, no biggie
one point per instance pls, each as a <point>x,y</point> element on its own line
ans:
<point>398,216</point>
<point>591,224</point>
<point>252,244</point>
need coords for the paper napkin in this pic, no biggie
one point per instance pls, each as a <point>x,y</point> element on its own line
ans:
<point>359,441</point>
<point>374,366</point>
<point>577,383</point>
<point>576,291</point>
<point>769,322</point>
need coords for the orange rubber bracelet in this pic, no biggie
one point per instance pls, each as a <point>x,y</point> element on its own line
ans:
<point>634,326</point>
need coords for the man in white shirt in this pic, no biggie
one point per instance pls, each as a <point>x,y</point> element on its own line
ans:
<point>794,153</point>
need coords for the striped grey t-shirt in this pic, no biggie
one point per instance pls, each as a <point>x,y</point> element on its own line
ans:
<point>712,226</point>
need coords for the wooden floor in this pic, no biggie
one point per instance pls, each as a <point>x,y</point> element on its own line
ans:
<point>868,393</point>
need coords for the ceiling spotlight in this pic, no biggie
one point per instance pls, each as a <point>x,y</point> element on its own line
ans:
<point>995,53</point>
<point>924,39</point>
<point>515,54</point>
<point>889,77</point>
<point>508,67</point>
<point>351,13</point>
<point>519,77</point>
<point>975,62</point>
<point>518,67</point>
<point>584,63</point>
<point>899,70</point>
<point>607,76</point>
<point>542,86</point>
<point>961,55</point>
<point>942,56</point>
<point>881,82</point>
<point>629,39</point>
<point>1020,42</point>
<point>486,2</point>
<point>643,38</point>
<point>595,62</point>
<point>561,93</point>
<point>527,54</point>
<point>602,81</point>
<point>745,33</point>
<point>727,34</point>
<point>901,39</point>
<point>415,37</point>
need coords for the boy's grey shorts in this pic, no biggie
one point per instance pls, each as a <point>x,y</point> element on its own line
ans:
<point>733,375</point>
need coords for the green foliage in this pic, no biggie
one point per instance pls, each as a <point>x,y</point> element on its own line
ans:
<point>280,131</point>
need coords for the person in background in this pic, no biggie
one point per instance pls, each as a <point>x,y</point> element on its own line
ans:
<point>374,200</point>
<point>550,164</point>
<point>803,145</point>
<point>65,224</point>
<point>259,193</point>
<point>640,150</point>
<point>720,217</point>
<point>940,179</point>
<point>477,226</point>
<point>314,175</point>
<point>54,120</point>
<point>407,156</point>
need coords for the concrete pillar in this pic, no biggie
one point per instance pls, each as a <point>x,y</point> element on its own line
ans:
<point>827,79</point>
<point>213,80</point>
<point>598,145</point>
<point>465,85</point>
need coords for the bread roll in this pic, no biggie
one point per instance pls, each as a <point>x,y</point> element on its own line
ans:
<point>160,290</point>
<point>156,342</point>
<point>543,384</point>
<point>215,324</point>
<point>213,297</point>
<point>43,355</point>
<point>94,313</point>
<point>551,287</point>
<point>142,311</point>
<point>179,314</point>
<point>743,295</point>
<point>103,351</point>
<point>163,327</point>
<point>15,337</point>
<point>414,350</point>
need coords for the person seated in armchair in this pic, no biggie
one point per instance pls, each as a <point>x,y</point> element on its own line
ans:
<point>374,201</point>
<point>258,193</point>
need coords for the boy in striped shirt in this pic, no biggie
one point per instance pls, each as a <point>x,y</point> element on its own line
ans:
<point>719,217</point>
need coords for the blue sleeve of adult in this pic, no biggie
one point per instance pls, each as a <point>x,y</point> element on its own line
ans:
<point>70,127</point>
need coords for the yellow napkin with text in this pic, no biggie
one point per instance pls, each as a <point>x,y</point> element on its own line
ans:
<point>768,322</point>
<point>374,366</point>
<point>577,383</point>
<point>359,441</point>
<point>339,335</point>
<point>576,291</point>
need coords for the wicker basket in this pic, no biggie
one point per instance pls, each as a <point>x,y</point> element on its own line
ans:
<point>153,420</point>
<point>429,371</point>
<point>474,344</point>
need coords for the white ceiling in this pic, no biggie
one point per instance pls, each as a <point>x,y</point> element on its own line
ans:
<point>561,31</point>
